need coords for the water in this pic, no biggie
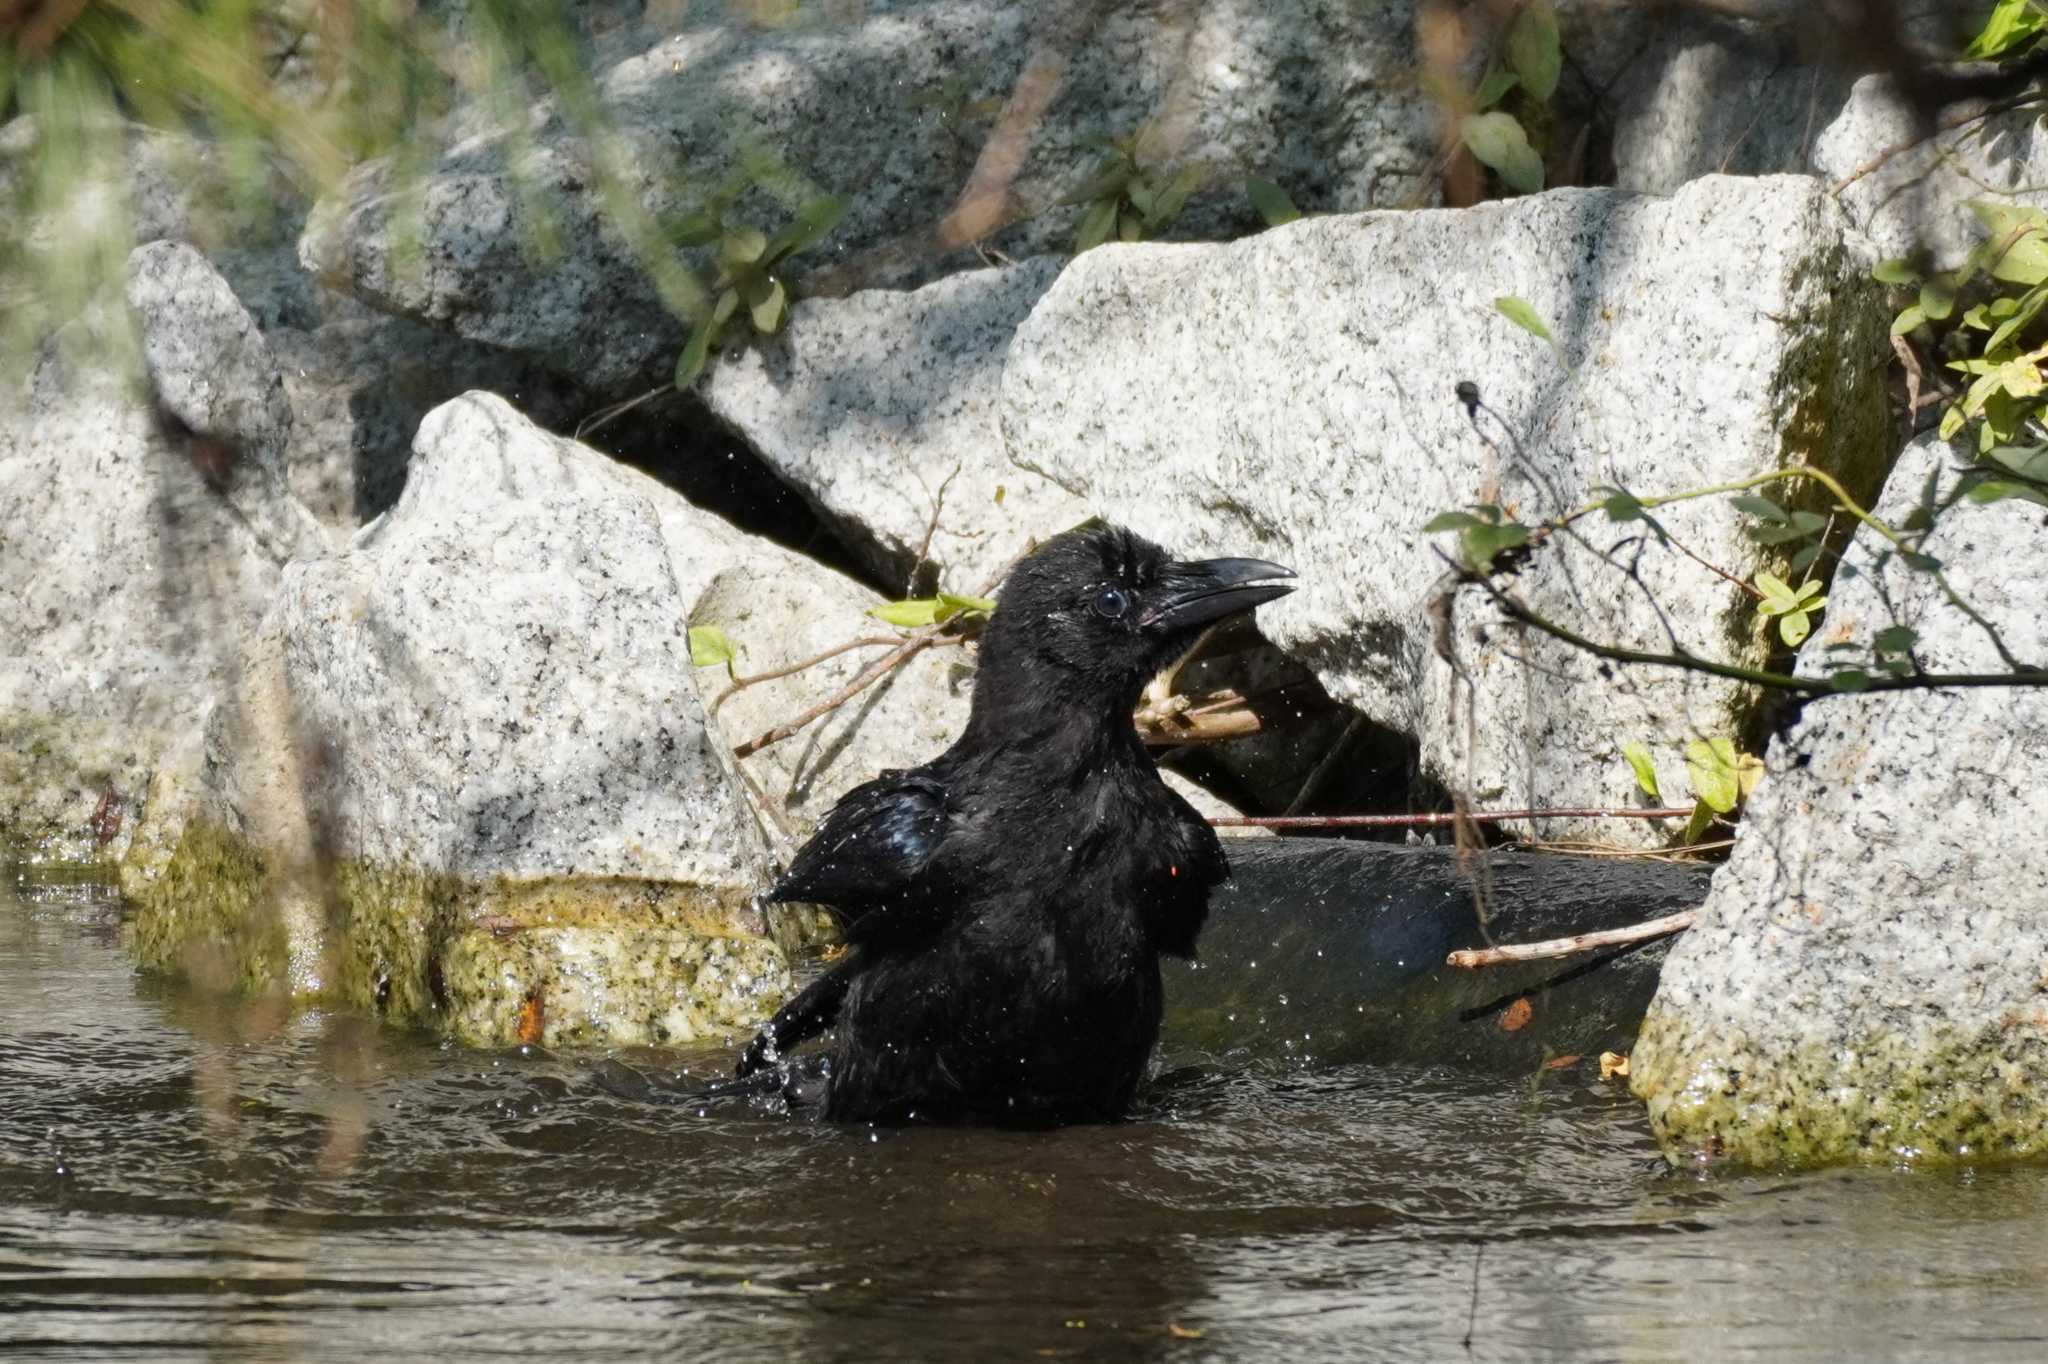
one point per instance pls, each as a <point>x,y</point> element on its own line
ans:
<point>183,1178</point>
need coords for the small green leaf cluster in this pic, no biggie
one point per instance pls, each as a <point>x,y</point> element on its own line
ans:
<point>749,269</point>
<point>1999,343</point>
<point>1125,200</point>
<point>1530,60</point>
<point>916,612</point>
<point>2010,29</point>
<point>1484,534</point>
<point>1721,777</point>
<point>709,647</point>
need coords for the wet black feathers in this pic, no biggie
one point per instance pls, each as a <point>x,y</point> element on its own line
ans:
<point>1008,901</point>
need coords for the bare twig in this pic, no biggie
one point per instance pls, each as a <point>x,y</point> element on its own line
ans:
<point>1323,769</point>
<point>605,416</point>
<point>1437,820</point>
<point>865,678</point>
<point>931,528</point>
<point>742,683</point>
<point>1946,126</point>
<point>1581,942</point>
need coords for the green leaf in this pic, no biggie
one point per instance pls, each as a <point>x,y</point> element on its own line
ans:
<point>767,304</point>
<point>1644,766</point>
<point>742,245</point>
<point>1937,301</point>
<point>1712,766</point>
<point>1701,821</point>
<point>1096,225</point>
<point>2021,237</point>
<point>951,605</point>
<point>1998,489</point>
<point>908,614</point>
<point>1271,201</point>
<point>2010,23</point>
<point>696,353</point>
<point>1494,88</point>
<point>1895,272</point>
<point>709,647</point>
<point>1130,225</point>
<point>1533,51</point>
<point>2028,461</point>
<point>1499,143</point>
<point>1481,544</point>
<point>1522,315</point>
<point>728,303</point>
<point>1109,181</point>
<point>1910,319</point>
<point>1452,520</point>
<point>1621,506</point>
<point>1166,206</point>
<point>1849,679</point>
<point>1761,506</point>
<point>812,222</point>
<point>2019,315</point>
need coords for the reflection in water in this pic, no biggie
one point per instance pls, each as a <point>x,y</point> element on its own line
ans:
<point>181,1177</point>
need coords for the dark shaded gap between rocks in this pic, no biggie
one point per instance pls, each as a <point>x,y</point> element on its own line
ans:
<point>677,441</point>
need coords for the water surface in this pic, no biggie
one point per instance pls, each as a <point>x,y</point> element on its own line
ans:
<point>182,1177</point>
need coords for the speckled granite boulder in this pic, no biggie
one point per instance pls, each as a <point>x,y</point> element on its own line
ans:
<point>143,521</point>
<point>470,771</point>
<point>1292,397</point>
<point>1707,95</point>
<point>1321,97</point>
<point>1869,980</point>
<point>872,405</point>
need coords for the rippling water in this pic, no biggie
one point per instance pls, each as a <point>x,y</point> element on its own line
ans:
<point>180,1178</point>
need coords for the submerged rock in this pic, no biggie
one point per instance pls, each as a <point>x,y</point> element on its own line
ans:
<point>1869,979</point>
<point>1291,396</point>
<point>1323,951</point>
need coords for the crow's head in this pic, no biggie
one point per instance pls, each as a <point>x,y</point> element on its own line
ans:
<point>1098,611</point>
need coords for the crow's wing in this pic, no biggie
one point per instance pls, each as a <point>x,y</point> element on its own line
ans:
<point>872,851</point>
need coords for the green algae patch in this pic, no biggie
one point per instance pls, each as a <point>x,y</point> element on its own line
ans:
<point>565,961</point>
<point>608,985</point>
<point>207,916</point>
<point>1939,1099</point>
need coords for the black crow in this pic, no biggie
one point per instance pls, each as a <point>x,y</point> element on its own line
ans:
<point>1007,903</point>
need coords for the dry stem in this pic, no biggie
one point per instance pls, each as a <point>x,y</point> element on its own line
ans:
<point>1580,942</point>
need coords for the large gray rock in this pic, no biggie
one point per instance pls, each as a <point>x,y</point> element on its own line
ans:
<point>1321,98</point>
<point>1291,396</point>
<point>143,521</point>
<point>464,777</point>
<point>872,405</point>
<point>1869,977</point>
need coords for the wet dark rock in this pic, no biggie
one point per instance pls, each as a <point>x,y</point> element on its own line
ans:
<point>1329,951</point>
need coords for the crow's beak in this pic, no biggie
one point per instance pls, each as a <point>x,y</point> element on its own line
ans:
<point>1197,593</point>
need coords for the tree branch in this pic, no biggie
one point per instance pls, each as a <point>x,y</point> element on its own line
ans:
<point>1472,957</point>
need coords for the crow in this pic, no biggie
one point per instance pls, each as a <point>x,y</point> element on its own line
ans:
<point>1007,903</point>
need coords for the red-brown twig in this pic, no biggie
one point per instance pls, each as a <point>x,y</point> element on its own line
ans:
<point>742,683</point>
<point>1581,942</point>
<point>866,677</point>
<point>1430,821</point>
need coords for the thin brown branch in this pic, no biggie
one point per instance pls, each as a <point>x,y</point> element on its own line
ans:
<point>1437,820</point>
<point>1580,942</point>
<point>931,528</point>
<point>1941,129</point>
<point>865,678</point>
<point>753,679</point>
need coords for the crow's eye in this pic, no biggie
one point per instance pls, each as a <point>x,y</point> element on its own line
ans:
<point>1112,602</point>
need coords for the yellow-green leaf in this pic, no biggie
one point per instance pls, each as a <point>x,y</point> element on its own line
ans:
<point>709,647</point>
<point>908,614</point>
<point>1644,766</point>
<point>1499,143</point>
<point>1711,764</point>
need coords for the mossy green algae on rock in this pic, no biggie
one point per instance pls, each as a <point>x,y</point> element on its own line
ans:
<point>1954,1100</point>
<point>560,961</point>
